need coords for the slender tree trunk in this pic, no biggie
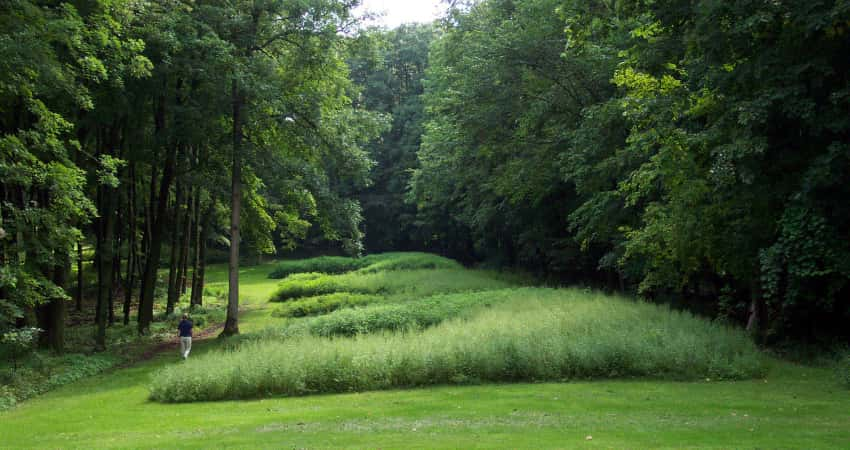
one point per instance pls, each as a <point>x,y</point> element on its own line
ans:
<point>131,242</point>
<point>757,321</point>
<point>115,287</point>
<point>158,227</point>
<point>201,263</point>
<point>58,310</point>
<point>231,325</point>
<point>185,243</point>
<point>79,299</point>
<point>175,250</point>
<point>105,268</point>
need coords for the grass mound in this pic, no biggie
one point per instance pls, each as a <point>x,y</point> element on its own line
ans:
<point>410,261</point>
<point>322,304</point>
<point>409,282</point>
<point>540,334</point>
<point>370,263</point>
<point>410,315</point>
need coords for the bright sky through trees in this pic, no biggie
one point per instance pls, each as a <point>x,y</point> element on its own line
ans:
<point>397,12</point>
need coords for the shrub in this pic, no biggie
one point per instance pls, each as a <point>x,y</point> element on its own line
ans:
<point>417,283</point>
<point>542,334</point>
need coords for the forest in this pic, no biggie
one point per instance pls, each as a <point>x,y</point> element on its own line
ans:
<point>684,162</point>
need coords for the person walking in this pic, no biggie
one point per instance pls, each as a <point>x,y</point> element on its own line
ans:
<point>185,328</point>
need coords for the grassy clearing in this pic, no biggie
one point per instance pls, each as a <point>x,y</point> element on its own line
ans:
<point>543,334</point>
<point>413,283</point>
<point>370,263</point>
<point>41,370</point>
<point>792,407</point>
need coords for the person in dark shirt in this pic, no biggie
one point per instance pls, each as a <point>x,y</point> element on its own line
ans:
<point>185,329</point>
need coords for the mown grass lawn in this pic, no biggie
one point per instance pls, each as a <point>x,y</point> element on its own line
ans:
<point>792,407</point>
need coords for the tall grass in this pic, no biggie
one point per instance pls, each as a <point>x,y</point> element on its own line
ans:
<point>410,282</point>
<point>408,315</point>
<point>322,304</point>
<point>371,263</point>
<point>542,334</point>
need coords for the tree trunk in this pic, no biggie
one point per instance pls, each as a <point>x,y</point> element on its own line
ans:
<point>115,287</point>
<point>131,242</point>
<point>185,243</point>
<point>231,325</point>
<point>175,250</point>
<point>58,311</point>
<point>201,256</point>
<point>105,272</point>
<point>79,299</point>
<point>757,321</point>
<point>158,227</point>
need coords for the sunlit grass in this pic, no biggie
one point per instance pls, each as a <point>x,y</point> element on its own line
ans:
<point>541,334</point>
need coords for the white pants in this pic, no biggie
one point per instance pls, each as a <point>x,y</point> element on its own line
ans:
<point>185,346</point>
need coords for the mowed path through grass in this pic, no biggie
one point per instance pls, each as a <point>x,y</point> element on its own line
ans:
<point>793,407</point>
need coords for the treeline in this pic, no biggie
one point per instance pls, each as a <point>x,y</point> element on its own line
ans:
<point>695,151</point>
<point>145,132</point>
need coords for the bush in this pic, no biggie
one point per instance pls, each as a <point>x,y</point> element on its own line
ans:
<point>541,334</point>
<point>17,343</point>
<point>41,374</point>
<point>322,304</point>
<point>414,283</point>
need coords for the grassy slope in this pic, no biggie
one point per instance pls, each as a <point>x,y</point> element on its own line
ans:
<point>794,406</point>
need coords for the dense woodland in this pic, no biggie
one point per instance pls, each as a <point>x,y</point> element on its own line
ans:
<point>694,152</point>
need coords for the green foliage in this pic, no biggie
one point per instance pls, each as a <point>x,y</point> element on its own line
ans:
<point>541,335</point>
<point>690,149</point>
<point>18,342</point>
<point>389,66</point>
<point>39,374</point>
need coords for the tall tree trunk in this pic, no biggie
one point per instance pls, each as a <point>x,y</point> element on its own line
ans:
<point>158,227</point>
<point>115,287</point>
<point>185,243</point>
<point>231,325</point>
<point>756,323</point>
<point>58,310</point>
<point>201,258</point>
<point>79,293</point>
<point>105,272</point>
<point>131,242</point>
<point>175,250</point>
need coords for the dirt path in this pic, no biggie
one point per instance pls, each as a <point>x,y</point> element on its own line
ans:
<point>173,343</point>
